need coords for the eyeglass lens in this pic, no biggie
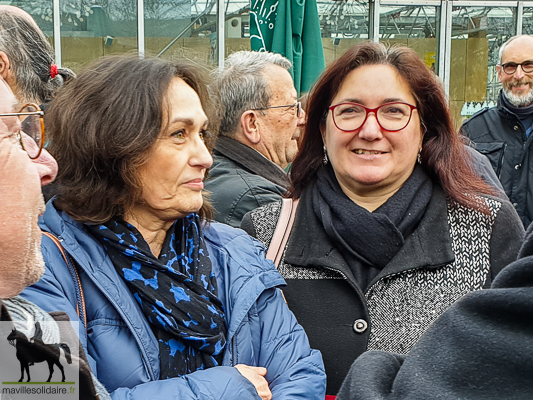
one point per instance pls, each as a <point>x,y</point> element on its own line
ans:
<point>510,68</point>
<point>391,117</point>
<point>32,126</point>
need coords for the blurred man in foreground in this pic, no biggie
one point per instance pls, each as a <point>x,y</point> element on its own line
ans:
<point>24,167</point>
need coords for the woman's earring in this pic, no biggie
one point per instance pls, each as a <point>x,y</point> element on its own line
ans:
<point>325,159</point>
<point>419,156</point>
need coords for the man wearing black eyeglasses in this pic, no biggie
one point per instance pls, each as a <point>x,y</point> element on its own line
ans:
<point>503,133</point>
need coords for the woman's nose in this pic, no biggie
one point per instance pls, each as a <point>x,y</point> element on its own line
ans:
<point>370,130</point>
<point>201,156</point>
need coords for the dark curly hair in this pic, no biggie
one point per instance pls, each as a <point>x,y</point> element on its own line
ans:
<point>102,127</point>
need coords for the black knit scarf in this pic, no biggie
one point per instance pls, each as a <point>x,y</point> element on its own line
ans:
<point>369,240</point>
<point>177,292</point>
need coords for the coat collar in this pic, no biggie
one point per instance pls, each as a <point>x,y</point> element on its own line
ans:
<point>252,160</point>
<point>429,246</point>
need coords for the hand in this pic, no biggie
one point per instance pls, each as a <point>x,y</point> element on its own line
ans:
<point>256,375</point>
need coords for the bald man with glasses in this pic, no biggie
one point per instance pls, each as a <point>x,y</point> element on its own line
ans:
<point>503,133</point>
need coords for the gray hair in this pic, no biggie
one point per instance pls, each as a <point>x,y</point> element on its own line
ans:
<point>30,56</point>
<point>503,46</point>
<point>242,86</point>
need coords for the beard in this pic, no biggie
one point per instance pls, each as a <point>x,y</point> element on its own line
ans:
<point>515,99</point>
<point>34,268</point>
<point>20,271</point>
<point>25,265</point>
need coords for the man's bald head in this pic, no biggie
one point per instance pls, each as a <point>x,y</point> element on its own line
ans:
<point>517,82</point>
<point>518,40</point>
<point>25,56</point>
<point>20,13</point>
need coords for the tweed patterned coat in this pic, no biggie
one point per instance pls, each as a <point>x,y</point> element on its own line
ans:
<point>453,251</point>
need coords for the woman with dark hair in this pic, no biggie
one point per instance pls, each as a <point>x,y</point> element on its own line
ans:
<point>392,224</point>
<point>172,306</point>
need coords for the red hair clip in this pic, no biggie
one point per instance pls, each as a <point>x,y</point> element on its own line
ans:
<point>53,71</point>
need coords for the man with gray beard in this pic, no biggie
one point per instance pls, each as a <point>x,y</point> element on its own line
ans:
<point>503,133</point>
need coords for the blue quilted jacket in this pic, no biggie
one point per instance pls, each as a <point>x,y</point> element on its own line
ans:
<point>124,353</point>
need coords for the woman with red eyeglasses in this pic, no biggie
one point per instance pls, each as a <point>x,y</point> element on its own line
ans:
<point>392,224</point>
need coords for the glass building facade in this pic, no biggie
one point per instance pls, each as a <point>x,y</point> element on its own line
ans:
<point>459,40</point>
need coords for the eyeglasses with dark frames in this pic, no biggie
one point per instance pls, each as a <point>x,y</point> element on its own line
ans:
<point>298,106</point>
<point>391,117</point>
<point>32,124</point>
<point>510,67</point>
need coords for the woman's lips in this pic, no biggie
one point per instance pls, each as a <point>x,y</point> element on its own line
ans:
<point>369,155</point>
<point>368,152</point>
<point>195,183</point>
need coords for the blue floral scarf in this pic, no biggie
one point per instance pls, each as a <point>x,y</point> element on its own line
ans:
<point>177,292</point>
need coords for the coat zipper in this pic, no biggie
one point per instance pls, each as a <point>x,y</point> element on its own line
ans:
<point>234,351</point>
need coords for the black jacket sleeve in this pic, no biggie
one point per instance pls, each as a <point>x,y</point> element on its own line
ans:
<point>507,237</point>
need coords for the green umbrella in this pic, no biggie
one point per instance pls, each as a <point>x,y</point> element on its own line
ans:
<point>290,28</point>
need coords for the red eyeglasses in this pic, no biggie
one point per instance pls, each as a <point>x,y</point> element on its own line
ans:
<point>392,117</point>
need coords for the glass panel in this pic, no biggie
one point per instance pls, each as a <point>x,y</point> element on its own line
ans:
<point>237,26</point>
<point>414,26</point>
<point>343,24</point>
<point>477,34</point>
<point>177,29</point>
<point>92,29</point>
<point>42,12</point>
<point>527,22</point>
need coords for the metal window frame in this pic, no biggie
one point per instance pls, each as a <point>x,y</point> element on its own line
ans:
<point>433,3</point>
<point>445,44</point>
<point>519,17</point>
<point>57,32</point>
<point>477,3</point>
<point>140,28</point>
<point>374,20</point>
<point>221,33</point>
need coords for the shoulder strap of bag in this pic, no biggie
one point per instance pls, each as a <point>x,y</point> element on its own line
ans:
<point>282,231</point>
<point>71,265</point>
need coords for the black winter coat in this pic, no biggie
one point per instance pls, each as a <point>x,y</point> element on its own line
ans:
<point>498,133</point>
<point>453,251</point>
<point>241,180</point>
<point>480,349</point>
